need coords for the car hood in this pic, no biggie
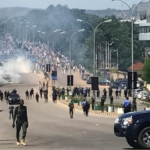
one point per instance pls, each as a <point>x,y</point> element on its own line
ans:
<point>145,112</point>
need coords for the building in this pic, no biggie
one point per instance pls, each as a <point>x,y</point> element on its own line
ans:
<point>137,67</point>
<point>144,35</point>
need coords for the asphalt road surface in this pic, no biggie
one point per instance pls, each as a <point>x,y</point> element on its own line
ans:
<point>50,127</point>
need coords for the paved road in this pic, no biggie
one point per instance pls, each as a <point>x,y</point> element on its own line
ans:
<point>50,127</point>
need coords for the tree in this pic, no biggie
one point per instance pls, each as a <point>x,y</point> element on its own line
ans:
<point>146,70</point>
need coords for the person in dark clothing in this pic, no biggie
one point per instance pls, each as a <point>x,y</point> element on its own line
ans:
<point>117,92</point>
<point>89,90</point>
<point>93,103</point>
<point>7,97</point>
<point>11,109</point>
<point>27,94</point>
<point>1,95</point>
<point>102,102</point>
<point>54,96</point>
<point>134,105</point>
<point>37,97</point>
<point>110,92</point>
<point>87,107</point>
<point>21,118</point>
<point>71,107</point>
<point>105,93</point>
<point>31,93</point>
<point>5,93</point>
<point>111,99</point>
<point>46,96</point>
<point>98,92</point>
<point>127,105</point>
<point>125,93</point>
<point>41,92</point>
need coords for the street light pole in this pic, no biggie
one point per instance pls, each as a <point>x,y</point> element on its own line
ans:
<point>82,30</point>
<point>62,32</point>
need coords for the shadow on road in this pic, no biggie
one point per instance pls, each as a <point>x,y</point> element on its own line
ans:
<point>1,110</point>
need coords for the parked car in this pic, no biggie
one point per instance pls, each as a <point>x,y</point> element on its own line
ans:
<point>13,99</point>
<point>137,91</point>
<point>85,76</point>
<point>142,95</point>
<point>104,82</point>
<point>124,85</point>
<point>135,127</point>
<point>114,85</point>
<point>148,97</point>
<point>89,80</point>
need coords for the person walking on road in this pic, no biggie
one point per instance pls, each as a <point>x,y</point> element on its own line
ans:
<point>71,107</point>
<point>32,93</point>
<point>102,102</point>
<point>21,118</point>
<point>37,97</point>
<point>11,110</point>
<point>87,107</point>
<point>27,94</point>
<point>93,103</point>
<point>41,92</point>
<point>105,93</point>
<point>117,96</point>
<point>127,105</point>
<point>83,105</point>
<point>111,99</point>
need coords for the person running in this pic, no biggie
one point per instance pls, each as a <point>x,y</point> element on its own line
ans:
<point>21,118</point>
<point>71,107</point>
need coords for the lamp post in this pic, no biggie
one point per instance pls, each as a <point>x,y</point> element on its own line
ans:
<point>55,31</point>
<point>94,41</point>
<point>59,33</point>
<point>132,40</point>
<point>34,26</point>
<point>82,30</point>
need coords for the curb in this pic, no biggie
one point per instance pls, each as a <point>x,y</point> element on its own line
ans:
<point>92,112</point>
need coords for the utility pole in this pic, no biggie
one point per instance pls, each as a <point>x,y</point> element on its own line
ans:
<point>106,55</point>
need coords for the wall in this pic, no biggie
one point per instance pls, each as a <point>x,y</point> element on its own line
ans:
<point>119,74</point>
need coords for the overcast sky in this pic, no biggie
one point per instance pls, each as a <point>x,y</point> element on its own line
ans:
<point>82,4</point>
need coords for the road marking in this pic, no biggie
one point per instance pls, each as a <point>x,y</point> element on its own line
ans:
<point>97,124</point>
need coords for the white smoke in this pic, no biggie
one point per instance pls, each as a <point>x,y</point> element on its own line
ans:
<point>11,70</point>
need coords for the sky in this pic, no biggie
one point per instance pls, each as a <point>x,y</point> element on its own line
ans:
<point>81,4</point>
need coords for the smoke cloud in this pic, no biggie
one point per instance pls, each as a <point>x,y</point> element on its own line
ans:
<point>11,70</point>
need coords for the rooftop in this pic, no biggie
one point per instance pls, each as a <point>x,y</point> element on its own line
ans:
<point>137,66</point>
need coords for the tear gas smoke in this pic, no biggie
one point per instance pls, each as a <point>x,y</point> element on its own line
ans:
<point>11,70</point>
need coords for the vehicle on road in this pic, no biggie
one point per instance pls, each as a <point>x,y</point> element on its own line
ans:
<point>85,76</point>
<point>104,82</point>
<point>89,80</point>
<point>13,99</point>
<point>135,127</point>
